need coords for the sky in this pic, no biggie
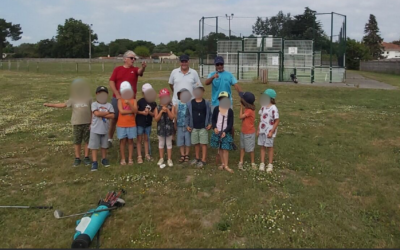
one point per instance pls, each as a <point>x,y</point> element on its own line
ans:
<point>163,21</point>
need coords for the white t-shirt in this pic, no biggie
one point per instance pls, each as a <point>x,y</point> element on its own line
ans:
<point>180,81</point>
<point>268,115</point>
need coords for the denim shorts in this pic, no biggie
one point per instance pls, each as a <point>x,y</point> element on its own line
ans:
<point>182,137</point>
<point>143,130</point>
<point>130,133</point>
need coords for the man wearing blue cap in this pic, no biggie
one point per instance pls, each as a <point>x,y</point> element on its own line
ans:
<point>183,78</point>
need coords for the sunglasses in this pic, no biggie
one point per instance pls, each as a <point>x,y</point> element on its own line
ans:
<point>219,64</point>
<point>184,61</point>
<point>132,58</point>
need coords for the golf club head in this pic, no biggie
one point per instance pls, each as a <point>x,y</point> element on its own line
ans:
<point>58,214</point>
<point>120,202</point>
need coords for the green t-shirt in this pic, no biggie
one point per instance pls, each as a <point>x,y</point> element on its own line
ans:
<point>81,111</point>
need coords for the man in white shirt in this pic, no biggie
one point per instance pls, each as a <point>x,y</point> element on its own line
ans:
<point>183,78</point>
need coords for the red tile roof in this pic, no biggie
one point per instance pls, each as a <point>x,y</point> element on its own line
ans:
<point>391,46</point>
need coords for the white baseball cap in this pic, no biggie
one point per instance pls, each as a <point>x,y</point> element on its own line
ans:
<point>146,87</point>
<point>125,86</point>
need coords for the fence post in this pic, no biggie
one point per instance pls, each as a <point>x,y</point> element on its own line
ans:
<point>17,65</point>
<point>76,67</point>
<point>28,65</point>
<point>152,65</point>
<point>102,67</point>
<point>9,65</point>
<point>37,66</point>
<point>160,66</point>
<point>90,67</point>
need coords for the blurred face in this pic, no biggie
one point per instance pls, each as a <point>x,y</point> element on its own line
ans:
<point>198,93</point>
<point>264,100</point>
<point>219,67</point>
<point>150,95</point>
<point>225,103</point>
<point>129,60</point>
<point>184,65</point>
<point>127,94</point>
<point>102,97</point>
<point>80,91</point>
<point>185,96</point>
<point>165,100</point>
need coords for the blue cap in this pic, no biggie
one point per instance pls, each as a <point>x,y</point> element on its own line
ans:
<point>248,97</point>
<point>219,59</point>
<point>184,58</point>
<point>271,93</point>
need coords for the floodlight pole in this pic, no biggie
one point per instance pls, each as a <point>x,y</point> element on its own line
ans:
<point>229,18</point>
<point>330,70</point>
<point>90,43</point>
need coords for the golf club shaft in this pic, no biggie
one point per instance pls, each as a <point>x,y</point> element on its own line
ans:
<point>38,207</point>
<point>101,210</point>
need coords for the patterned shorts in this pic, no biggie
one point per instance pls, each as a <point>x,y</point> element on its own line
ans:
<point>225,143</point>
<point>81,133</point>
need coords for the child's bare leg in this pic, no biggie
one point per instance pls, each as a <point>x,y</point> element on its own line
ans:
<point>139,145</point>
<point>104,153</point>
<point>86,150</point>
<point>204,152</point>
<point>226,156</point>
<point>182,150</point>
<point>169,153</point>
<point>252,156</point>
<point>262,154</point>
<point>241,155</point>
<point>146,144</point>
<point>130,149</point>
<point>197,151</point>
<point>187,150</point>
<point>221,156</point>
<point>77,148</point>
<point>122,144</point>
<point>270,155</point>
<point>94,155</point>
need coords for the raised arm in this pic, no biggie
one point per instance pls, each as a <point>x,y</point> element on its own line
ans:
<point>142,69</point>
<point>242,114</point>
<point>55,105</point>
<point>171,113</point>
<point>210,79</point>
<point>237,87</point>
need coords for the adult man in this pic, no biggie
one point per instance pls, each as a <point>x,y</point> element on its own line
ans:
<point>183,77</point>
<point>126,72</point>
<point>221,81</point>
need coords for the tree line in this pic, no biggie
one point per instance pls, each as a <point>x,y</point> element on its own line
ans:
<point>72,40</point>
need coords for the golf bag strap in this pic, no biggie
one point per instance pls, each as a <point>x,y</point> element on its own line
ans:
<point>98,238</point>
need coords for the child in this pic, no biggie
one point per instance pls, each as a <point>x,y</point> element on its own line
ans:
<point>126,124</point>
<point>248,133</point>
<point>222,123</point>
<point>269,121</point>
<point>182,134</point>
<point>80,102</point>
<point>198,122</point>
<point>102,111</point>
<point>144,119</point>
<point>164,115</point>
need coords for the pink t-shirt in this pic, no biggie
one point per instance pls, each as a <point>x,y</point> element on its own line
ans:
<point>219,121</point>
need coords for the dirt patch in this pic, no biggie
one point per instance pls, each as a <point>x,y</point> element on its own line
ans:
<point>310,181</point>
<point>387,143</point>
<point>174,222</point>
<point>203,194</point>
<point>210,219</point>
<point>189,178</point>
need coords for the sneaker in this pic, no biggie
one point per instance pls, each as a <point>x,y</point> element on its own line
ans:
<point>194,162</point>
<point>170,163</point>
<point>262,167</point>
<point>105,163</point>
<point>77,162</point>
<point>240,166</point>
<point>95,166</point>
<point>254,166</point>
<point>269,168</point>
<point>148,158</point>
<point>139,160</point>
<point>201,164</point>
<point>87,161</point>
<point>160,162</point>
<point>110,144</point>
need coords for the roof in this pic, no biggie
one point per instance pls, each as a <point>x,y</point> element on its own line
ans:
<point>161,54</point>
<point>391,46</point>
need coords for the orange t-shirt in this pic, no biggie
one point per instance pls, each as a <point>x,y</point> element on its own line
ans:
<point>127,120</point>
<point>248,122</point>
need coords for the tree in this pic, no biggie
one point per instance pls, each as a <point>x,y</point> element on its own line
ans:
<point>45,48</point>
<point>26,50</point>
<point>73,39</point>
<point>356,52</point>
<point>261,27</point>
<point>101,49</point>
<point>142,51</point>
<point>8,30</point>
<point>372,38</point>
<point>173,46</point>
<point>161,48</point>
<point>147,44</point>
<point>120,46</point>
<point>396,42</point>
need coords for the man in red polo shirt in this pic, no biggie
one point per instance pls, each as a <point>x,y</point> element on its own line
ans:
<point>126,72</point>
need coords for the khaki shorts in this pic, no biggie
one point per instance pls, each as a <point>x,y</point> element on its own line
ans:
<point>199,136</point>
<point>80,133</point>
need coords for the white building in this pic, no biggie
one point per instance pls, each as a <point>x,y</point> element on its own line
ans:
<point>162,56</point>
<point>391,50</point>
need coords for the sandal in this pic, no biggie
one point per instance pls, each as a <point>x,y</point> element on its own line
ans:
<point>148,158</point>
<point>221,167</point>
<point>187,158</point>
<point>228,169</point>
<point>123,162</point>
<point>182,159</point>
<point>139,159</point>
<point>130,162</point>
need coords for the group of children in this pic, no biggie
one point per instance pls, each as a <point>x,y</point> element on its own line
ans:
<point>190,120</point>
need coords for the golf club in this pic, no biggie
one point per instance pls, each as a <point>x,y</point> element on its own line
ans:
<point>27,207</point>
<point>60,215</point>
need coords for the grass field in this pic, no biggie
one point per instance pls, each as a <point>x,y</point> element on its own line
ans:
<point>391,79</point>
<point>335,184</point>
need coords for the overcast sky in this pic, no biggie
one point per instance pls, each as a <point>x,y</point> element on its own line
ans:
<point>166,20</point>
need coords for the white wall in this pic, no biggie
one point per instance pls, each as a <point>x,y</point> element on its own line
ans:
<point>391,54</point>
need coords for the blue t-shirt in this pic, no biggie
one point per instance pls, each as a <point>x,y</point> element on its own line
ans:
<point>223,83</point>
